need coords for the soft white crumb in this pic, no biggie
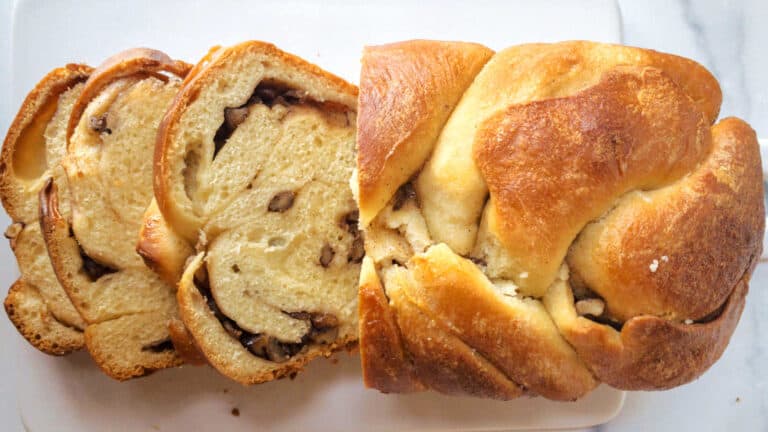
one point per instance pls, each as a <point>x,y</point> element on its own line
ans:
<point>664,258</point>
<point>202,239</point>
<point>594,307</point>
<point>507,288</point>
<point>654,266</point>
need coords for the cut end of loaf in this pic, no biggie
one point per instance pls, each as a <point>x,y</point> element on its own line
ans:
<point>33,146</point>
<point>256,154</point>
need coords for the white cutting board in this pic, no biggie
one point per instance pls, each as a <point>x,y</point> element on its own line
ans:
<point>70,394</point>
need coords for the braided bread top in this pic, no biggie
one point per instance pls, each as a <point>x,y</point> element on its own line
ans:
<point>553,215</point>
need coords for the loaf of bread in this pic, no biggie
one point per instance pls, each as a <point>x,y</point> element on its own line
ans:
<point>252,171</point>
<point>108,164</point>
<point>549,217</point>
<point>36,303</point>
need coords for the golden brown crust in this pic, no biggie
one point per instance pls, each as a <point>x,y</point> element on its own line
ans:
<point>634,129</point>
<point>384,362</point>
<point>160,247</point>
<point>28,311</point>
<point>597,155</point>
<point>711,219</point>
<point>652,352</point>
<point>417,84</point>
<point>22,162</point>
<point>125,63</point>
<point>442,361</point>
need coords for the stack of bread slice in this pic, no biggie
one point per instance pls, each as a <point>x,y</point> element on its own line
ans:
<point>229,180</point>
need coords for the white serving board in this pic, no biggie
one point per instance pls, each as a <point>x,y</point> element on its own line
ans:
<point>70,394</point>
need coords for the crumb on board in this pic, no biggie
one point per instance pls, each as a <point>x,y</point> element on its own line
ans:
<point>292,376</point>
<point>738,399</point>
<point>226,390</point>
<point>235,412</point>
<point>335,360</point>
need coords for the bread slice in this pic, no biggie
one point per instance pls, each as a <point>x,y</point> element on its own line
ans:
<point>36,303</point>
<point>252,168</point>
<point>108,165</point>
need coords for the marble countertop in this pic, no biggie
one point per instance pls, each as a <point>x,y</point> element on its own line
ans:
<point>727,37</point>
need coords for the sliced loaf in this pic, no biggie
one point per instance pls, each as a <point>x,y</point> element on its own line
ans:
<point>36,303</point>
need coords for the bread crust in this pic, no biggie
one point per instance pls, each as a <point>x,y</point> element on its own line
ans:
<point>603,157</point>
<point>27,307</point>
<point>418,84</point>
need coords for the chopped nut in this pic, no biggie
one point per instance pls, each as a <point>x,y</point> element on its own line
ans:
<point>256,344</point>
<point>276,351</point>
<point>232,329</point>
<point>235,268</point>
<point>158,346</point>
<point>324,320</point>
<point>350,221</point>
<point>480,262</point>
<point>94,269</point>
<point>282,201</point>
<point>593,306</point>
<point>235,116</point>
<point>99,124</point>
<point>324,336</point>
<point>403,194</point>
<point>326,255</point>
<point>304,316</point>
<point>266,93</point>
<point>356,251</point>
